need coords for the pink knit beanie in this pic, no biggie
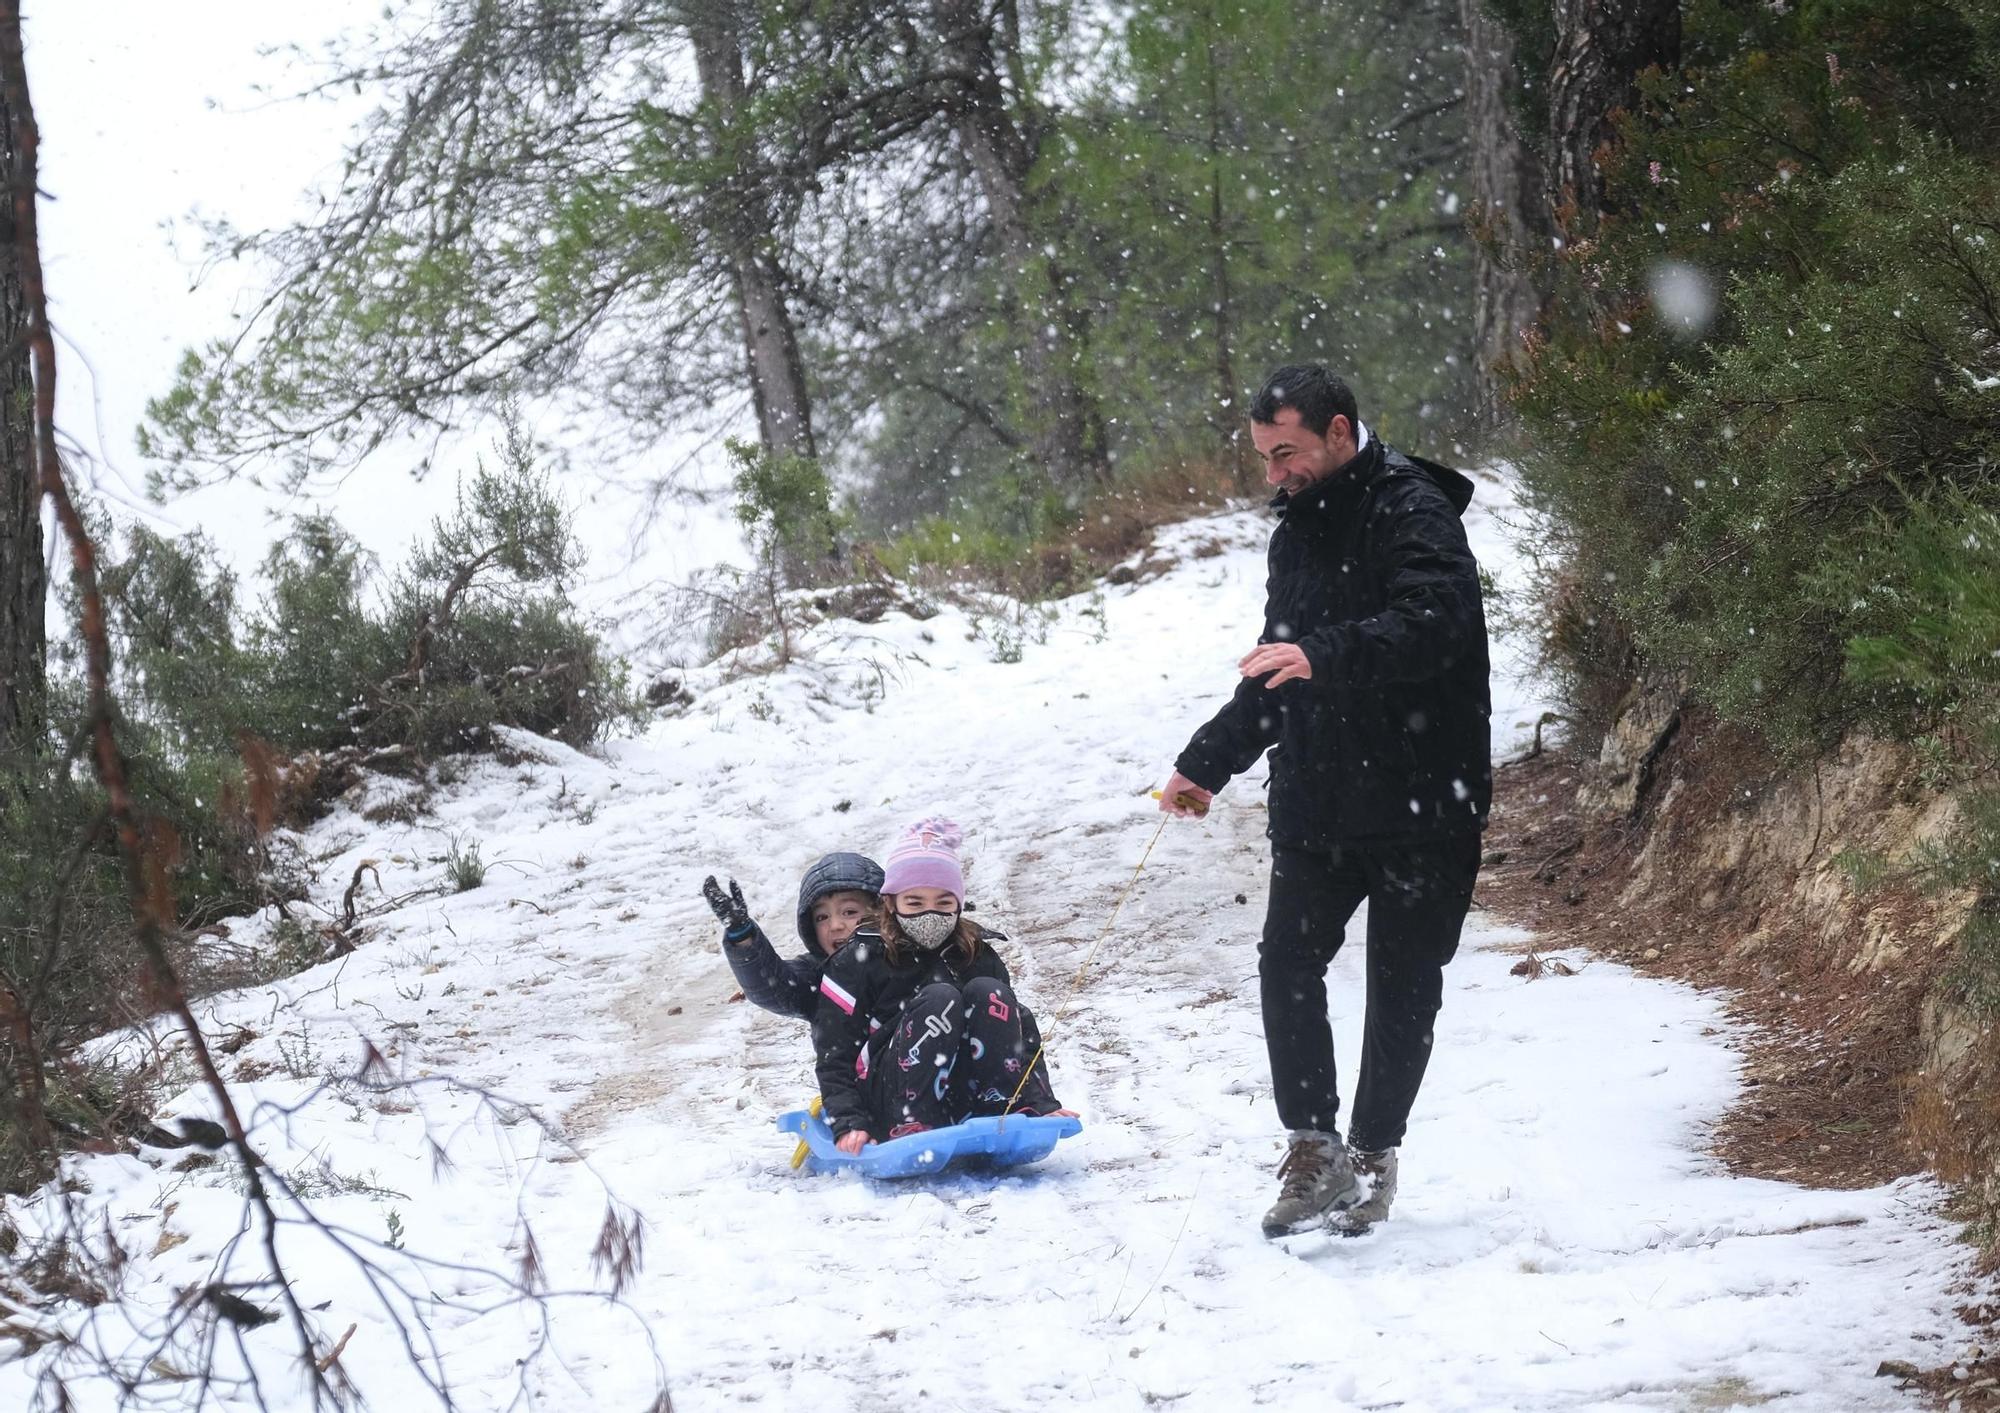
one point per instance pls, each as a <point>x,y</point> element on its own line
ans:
<point>926,856</point>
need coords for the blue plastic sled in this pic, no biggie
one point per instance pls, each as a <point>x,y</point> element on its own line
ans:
<point>1004,1142</point>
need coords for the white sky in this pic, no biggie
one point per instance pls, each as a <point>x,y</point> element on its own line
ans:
<point>149,114</point>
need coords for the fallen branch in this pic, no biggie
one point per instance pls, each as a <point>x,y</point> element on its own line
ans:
<point>1534,966</point>
<point>353,886</point>
<point>332,1355</point>
<point>1535,751</point>
<point>1560,851</point>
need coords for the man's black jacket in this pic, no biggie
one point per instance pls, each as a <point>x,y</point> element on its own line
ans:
<point>1370,574</point>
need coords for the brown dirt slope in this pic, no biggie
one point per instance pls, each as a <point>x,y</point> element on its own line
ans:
<point>1826,1055</point>
<point>1832,1035</point>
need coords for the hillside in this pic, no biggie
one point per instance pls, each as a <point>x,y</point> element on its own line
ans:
<point>1561,1239</point>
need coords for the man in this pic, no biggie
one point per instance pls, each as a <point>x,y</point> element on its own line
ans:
<point>1368,686</point>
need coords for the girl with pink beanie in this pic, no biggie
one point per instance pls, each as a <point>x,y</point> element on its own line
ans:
<point>917,1024</point>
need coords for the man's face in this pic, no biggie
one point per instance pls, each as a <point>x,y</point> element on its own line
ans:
<point>1294,457</point>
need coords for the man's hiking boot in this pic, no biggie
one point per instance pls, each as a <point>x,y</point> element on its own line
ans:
<point>1318,1181</point>
<point>1377,1172</point>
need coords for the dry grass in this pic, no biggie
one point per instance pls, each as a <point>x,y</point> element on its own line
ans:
<point>1107,529</point>
<point>1117,525</point>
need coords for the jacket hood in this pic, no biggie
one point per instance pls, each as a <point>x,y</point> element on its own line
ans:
<point>1457,486</point>
<point>835,873</point>
<point>1371,464</point>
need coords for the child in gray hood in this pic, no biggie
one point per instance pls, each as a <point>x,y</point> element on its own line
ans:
<point>837,895</point>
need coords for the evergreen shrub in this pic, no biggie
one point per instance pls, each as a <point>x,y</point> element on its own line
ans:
<point>1789,499</point>
<point>235,717</point>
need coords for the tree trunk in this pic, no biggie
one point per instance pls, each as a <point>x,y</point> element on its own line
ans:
<point>1066,429</point>
<point>1229,406</point>
<point>23,572</point>
<point>744,225</point>
<point>777,373</point>
<point>1508,212</point>
<point>1602,46</point>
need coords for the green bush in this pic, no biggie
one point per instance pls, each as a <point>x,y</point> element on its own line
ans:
<point>215,697</point>
<point>334,666</point>
<point>786,503</point>
<point>1796,505</point>
<point>1725,495</point>
<point>1927,625</point>
<point>463,865</point>
<point>474,632</point>
<point>945,543</point>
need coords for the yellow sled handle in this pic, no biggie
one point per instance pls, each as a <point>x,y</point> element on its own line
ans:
<point>799,1153</point>
<point>1186,802</point>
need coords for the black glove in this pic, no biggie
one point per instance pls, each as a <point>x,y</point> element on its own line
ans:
<point>730,909</point>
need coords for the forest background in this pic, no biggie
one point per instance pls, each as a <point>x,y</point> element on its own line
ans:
<point>971,292</point>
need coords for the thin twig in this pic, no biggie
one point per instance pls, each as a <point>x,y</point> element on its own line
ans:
<point>1186,1217</point>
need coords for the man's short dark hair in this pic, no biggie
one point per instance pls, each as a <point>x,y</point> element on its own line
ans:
<point>1309,390</point>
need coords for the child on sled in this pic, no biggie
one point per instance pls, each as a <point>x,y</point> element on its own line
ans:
<point>917,1025</point>
<point>837,894</point>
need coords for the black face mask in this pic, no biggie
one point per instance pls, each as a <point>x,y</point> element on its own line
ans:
<point>928,930</point>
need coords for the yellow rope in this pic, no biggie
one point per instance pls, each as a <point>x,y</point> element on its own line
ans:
<point>1077,980</point>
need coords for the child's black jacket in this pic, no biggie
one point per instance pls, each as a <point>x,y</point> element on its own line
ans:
<point>788,986</point>
<point>861,992</point>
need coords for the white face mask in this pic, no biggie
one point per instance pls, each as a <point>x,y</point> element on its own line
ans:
<point>929,931</point>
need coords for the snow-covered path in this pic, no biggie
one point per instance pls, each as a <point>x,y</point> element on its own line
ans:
<point>1560,1241</point>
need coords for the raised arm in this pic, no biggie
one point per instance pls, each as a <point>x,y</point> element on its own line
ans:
<point>789,988</point>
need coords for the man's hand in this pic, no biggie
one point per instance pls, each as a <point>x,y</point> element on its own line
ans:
<point>730,909</point>
<point>1284,661</point>
<point>853,1141</point>
<point>1183,799</point>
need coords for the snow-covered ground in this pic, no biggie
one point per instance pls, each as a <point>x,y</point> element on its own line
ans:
<point>1561,1240</point>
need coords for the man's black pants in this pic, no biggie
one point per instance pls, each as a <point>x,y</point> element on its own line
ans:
<point>1417,895</point>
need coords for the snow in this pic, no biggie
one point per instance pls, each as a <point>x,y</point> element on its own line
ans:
<point>1684,295</point>
<point>1561,1239</point>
